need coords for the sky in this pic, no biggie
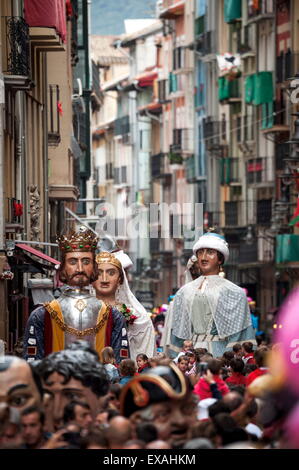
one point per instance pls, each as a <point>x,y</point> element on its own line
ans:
<point>107,16</point>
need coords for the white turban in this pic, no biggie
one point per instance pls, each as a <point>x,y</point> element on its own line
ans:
<point>214,241</point>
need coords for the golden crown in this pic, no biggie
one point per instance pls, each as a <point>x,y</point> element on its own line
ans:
<point>82,240</point>
<point>106,257</point>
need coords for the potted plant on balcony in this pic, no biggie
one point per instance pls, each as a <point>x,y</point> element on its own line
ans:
<point>175,160</point>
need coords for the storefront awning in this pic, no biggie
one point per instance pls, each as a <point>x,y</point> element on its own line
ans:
<point>37,253</point>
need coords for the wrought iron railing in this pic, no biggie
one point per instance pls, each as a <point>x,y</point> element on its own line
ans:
<point>17,46</point>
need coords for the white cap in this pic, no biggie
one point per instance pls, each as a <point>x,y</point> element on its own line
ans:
<point>125,260</point>
<point>214,241</point>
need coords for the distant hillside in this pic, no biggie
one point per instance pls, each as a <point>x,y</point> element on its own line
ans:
<point>107,16</point>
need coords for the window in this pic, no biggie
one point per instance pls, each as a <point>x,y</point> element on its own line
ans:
<point>54,112</point>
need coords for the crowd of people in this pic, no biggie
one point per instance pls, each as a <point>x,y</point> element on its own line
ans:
<point>74,399</point>
<point>89,374</point>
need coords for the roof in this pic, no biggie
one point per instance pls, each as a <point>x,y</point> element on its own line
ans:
<point>127,39</point>
<point>104,53</point>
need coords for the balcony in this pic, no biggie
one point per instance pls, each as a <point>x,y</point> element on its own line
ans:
<point>16,58</point>
<point>214,132</point>
<point>96,95</point>
<point>264,212</point>
<point>170,9</point>
<point>190,170</point>
<point>206,43</point>
<point>13,216</point>
<point>260,171</point>
<point>261,10</point>
<point>183,141</point>
<point>229,91</point>
<point>122,126</point>
<point>230,171</point>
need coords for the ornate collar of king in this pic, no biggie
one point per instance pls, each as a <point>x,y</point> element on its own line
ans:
<point>75,292</point>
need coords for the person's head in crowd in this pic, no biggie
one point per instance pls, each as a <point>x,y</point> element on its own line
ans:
<point>218,407</point>
<point>32,424</point>
<point>237,350</point>
<point>127,368</point>
<point>192,358</point>
<point>159,444</point>
<point>12,437</point>
<point>94,439</point>
<point>77,412</point>
<point>70,375</point>
<point>206,429</point>
<point>227,357</point>
<point>248,368</point>
<point>233,400</point>
<point>247,347</point>
<point>214,365</point>
<point>237,365</point>
<point>199,443</point>
<point>147,432</point>
<point>183,363</point>
<point>199,352</point>
<point>134,444</point>
<point>224,373</point>
<point>260,356</point>
<point>18,349</point>
<point>163,397</point>
<point>118,432</point>
<point>113,396</point>
<point>228,430</point>
<point>82,345</point>
<point>20,386</point>
<point>155,360</point>
<point>107,355</point>
<point>142,362</point>
<point>187,345</point>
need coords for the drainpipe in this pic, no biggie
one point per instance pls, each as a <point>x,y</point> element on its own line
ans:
<point>45,152</point>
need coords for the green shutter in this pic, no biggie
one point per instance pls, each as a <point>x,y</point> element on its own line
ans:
<point>249,89</point>
<point>267,115</point>
<point>223,92</point>
<point>287,248</point>
<point>232,10</point>
<point>263,88</point>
